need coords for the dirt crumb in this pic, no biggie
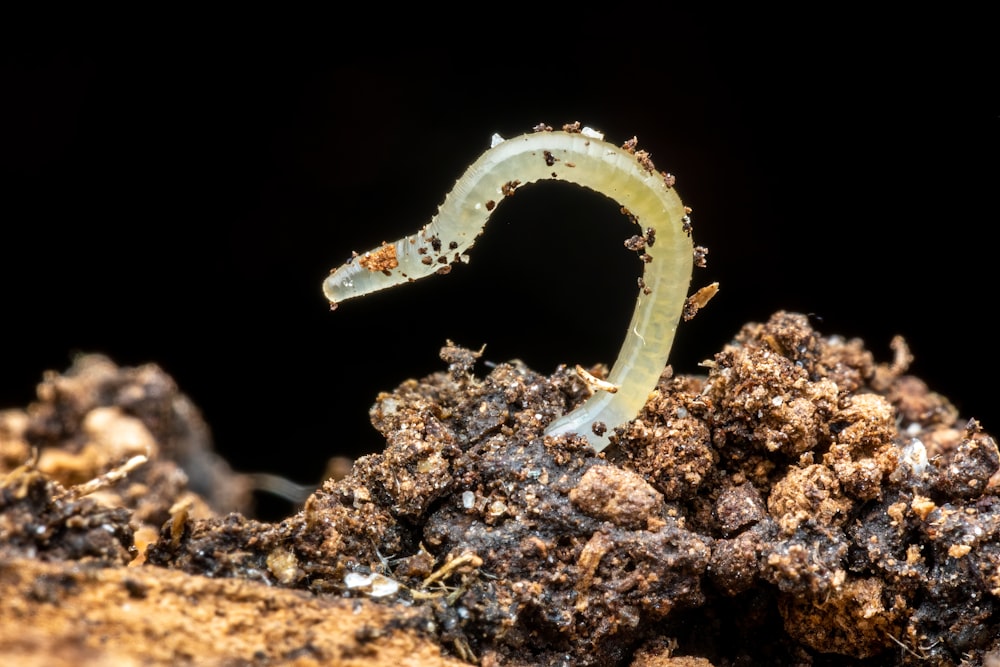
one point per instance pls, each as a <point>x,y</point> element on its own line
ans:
<point>619,496</point>
<point>381,259</point>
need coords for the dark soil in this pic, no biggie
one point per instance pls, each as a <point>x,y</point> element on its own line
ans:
<point>800,504</point>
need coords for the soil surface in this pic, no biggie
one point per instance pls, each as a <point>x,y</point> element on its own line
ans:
<point>800,504</point>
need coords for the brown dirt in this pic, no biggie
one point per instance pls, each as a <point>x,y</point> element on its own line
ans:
<point>82,614</point>
<point>800,504</point>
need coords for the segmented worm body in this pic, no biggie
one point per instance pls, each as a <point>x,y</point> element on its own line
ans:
<point>623,174</point>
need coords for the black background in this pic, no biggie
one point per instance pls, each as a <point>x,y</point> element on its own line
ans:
<point>178,198</point>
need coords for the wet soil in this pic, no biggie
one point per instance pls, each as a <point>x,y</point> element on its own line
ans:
<point>799,504</point>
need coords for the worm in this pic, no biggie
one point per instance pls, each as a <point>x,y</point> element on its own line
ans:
<point>575,155</point>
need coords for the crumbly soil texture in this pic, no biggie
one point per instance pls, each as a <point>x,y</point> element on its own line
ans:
<point>799,504</point>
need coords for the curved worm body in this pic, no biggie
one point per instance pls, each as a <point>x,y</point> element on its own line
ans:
<point>582,157</point>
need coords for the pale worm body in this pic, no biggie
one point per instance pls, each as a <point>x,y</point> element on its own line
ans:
<point>582,157</point>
